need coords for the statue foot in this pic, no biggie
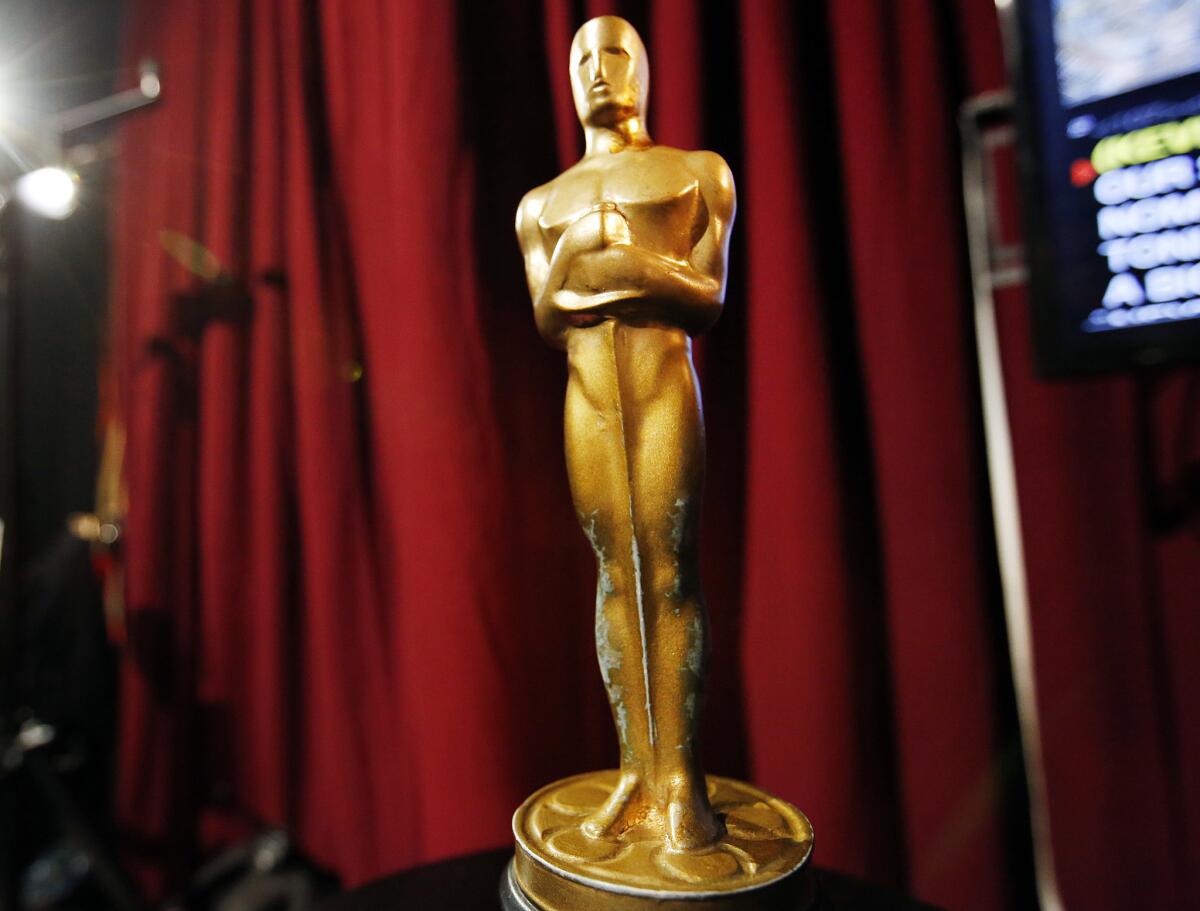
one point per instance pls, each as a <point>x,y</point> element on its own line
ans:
<point>623,810</point>
<point>691,822</point>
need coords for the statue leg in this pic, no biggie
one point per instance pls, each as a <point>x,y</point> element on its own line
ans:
<point>635,456</point>
<point>665,425</point>
<point>597,465</point>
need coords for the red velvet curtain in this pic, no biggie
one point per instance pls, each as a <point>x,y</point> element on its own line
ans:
<point>358,602</point>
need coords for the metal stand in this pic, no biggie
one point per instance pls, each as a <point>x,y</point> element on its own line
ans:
<point>26,754</point>
<point>985,123</point>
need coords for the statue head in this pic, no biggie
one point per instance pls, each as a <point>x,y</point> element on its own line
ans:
<point>610,74</point>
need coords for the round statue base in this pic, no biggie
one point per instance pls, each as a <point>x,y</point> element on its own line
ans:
<point>759,863</point>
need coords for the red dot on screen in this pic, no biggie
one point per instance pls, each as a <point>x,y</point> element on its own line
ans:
<point>1082,172</point>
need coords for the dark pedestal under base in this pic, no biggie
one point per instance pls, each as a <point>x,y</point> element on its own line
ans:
<point>469,884</point>
<point>511,896</point>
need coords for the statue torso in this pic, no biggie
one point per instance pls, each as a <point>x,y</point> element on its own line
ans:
<point>660,197</point>
<point>653,188</point>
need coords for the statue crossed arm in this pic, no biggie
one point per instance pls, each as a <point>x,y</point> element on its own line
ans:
<point>597,268</point>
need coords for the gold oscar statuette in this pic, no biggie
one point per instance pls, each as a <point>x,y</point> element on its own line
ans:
<point>625,253</point>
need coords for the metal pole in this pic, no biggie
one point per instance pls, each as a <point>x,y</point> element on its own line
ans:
<point>1002,479</point>
<point>8,566</point>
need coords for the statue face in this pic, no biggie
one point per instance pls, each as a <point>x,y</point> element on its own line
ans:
<point>610,76</point>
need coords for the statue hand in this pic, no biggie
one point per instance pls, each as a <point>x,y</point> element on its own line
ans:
<point>597,229</point>
<point>614,228</point>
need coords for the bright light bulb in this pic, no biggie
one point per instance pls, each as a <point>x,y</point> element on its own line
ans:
<point>49,192</point>
<point>149,85</point>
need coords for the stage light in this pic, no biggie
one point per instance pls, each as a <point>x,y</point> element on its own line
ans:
<point>149,84</point>
<point>49,192</point>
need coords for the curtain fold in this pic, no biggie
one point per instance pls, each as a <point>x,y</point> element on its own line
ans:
<point>810,703</point>
<point>895,85</point>
<point>359,603</point>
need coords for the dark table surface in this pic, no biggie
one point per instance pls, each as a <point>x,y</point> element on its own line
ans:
<point>472,883</point>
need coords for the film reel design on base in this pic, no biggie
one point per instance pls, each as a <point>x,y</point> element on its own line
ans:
<point>758,863</point>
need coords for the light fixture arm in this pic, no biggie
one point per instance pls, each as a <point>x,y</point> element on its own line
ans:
<point>148,90</point>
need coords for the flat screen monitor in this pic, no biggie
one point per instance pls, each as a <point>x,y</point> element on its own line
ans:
<point>1108,115</point>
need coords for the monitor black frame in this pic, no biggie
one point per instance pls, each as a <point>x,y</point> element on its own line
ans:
<point>1131,349</point>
